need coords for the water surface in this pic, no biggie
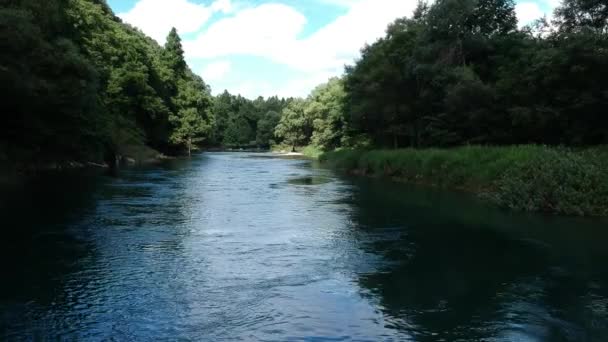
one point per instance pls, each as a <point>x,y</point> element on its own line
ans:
<point>228,247</point>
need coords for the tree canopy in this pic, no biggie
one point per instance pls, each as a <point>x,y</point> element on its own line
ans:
<point>459,72</point>
<point>79,84</point>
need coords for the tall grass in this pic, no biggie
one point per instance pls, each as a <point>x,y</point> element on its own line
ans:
<point>312,152</point>
<point>527,177</point>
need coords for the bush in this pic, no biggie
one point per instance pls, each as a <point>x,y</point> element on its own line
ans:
<point>528,177</point>
<point>556,181</point>
<point>312,152</point>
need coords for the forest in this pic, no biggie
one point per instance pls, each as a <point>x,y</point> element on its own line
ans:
<point>460,72</point>
<point>79,84</point>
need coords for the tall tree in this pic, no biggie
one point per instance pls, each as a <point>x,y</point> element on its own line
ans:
<point>192,121</point>
<point>326,107</point>
<point>295,127</point>
<point>191,118</point>
<point>174,53</point>
<point>265,128</point>
<point>579,15</point>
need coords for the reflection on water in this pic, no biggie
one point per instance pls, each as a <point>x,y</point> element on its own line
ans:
<point>311,180</point>
<point>463,271</point>
<point>239,246</point>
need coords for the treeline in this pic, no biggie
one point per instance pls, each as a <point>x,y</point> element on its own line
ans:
<point>241,122</point>
<point>78,84</point>
<point>460,72</point>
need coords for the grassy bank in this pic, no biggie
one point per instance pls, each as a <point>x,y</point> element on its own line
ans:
<point>530,178</point>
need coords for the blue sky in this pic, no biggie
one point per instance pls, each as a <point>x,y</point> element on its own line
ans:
<point>282,47</point>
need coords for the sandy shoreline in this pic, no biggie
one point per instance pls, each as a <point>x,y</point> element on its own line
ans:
<point>289,154</point>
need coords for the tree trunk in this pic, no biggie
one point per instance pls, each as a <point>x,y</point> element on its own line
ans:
<point>189,147</point>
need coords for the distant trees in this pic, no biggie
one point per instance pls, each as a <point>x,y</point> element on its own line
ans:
<point>318,119</point>
<point>240,122</point>
<point>266,126</point>
<point>193,120</point>
<point>296,125</point>
<point>325,106</point>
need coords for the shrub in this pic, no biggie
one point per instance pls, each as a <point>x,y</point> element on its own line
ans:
<point>312,152</point>
<point>527,177</point>
<point>555,181</point>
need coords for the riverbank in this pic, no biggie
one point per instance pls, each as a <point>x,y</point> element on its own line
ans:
<point>306,151</point>
<point>525,178</point>
<point>15,171</point>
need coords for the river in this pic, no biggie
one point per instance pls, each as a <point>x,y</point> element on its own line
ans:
<point>246,247</point>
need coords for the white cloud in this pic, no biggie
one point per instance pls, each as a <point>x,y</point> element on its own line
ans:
<point>273,31</point>
<point>224,6</point>
<point>252,89</point>
<point>527,12</point>
<point>552,4</point>
<point>299,86</point>
<point>339,42</point>
<point>260,31</point>
<point>157,17</point>
<point>216,70</point>
<point>343,3</point>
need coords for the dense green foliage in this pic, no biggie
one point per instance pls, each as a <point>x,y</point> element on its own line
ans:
<point>241,122</point>
<point>79,84</point>
<point>48,86</point>
<point>531,178</point>
<point>557,181</point>
<point>318,120</point>
<point>460,72</point>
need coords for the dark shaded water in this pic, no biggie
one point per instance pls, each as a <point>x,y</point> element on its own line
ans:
<point>244,247</point>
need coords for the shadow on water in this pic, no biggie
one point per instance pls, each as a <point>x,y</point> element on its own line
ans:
<point>59,229</point>
<point>36,215</point>
<point>460,270</point>
<point>227,247</point>
<point>309,180</point>
<point>39,248</point>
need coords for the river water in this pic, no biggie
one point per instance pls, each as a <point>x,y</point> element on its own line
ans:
<point>245,247</point>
